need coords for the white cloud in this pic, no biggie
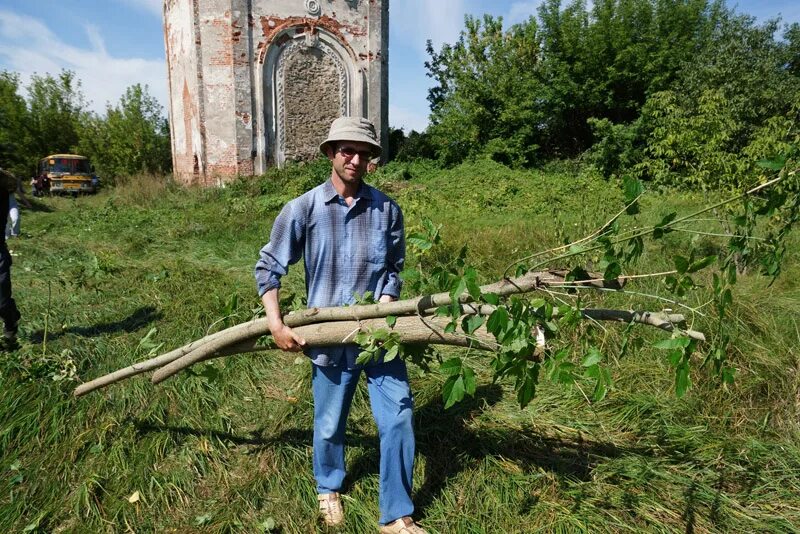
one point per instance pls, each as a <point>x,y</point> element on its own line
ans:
<point>27,46</point>
<point>400,117</point>
<point>96,39</point>
<point>415,21</point>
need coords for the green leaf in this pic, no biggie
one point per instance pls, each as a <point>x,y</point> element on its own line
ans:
<point>391,320</point>
<point>673,343</point>
<point>470,384</point>
<point>600,391</point>
<point>364,357</point>
<point>613,271</point>
<point>633,188</point>
<point>518,345</point>
<point>526,391</point>
<point>577,274</point>
<point>210,373</point>
<point>537,303</point>
<point>728,375</point>
<point>458,288</point>
<point>775,164</point>
<point>455,309</point>
<point>565,373</point>
<point>453,391</point>
<point>380,334</point>
<point>602,383</point>
<point>634,249</point>
<point>472,286</point>
<point>593,357</point>
<point>661,228</point>
<point>268,525</point>
<point>681,264</point>
<point>491,298</point>
<point>471,323</point>
<point>498,322</point>
<point>450,328</point>
<point>675,357</point>
<point>682,381</point>
<point>727,297</point>
<point>392,353</point>
<point>442,311</point>
<point>701,264</point>
<point>451,366</point>
<point>408,275</point>
<point>418,240</point>
<point>592,372</point>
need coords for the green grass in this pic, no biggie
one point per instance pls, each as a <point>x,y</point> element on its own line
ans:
<point>94,275</point>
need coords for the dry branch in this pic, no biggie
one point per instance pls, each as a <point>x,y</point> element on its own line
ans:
<point>419,305</point>
<point>333,321</point>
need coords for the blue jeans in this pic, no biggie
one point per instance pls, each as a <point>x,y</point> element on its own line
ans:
<point>392,408</point>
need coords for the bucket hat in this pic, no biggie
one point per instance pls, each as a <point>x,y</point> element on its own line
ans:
<point>352,129</point>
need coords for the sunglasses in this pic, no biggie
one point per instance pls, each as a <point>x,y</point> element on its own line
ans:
<point>350,152</point>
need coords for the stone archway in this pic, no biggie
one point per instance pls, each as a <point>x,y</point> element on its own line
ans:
<point>309,79</point>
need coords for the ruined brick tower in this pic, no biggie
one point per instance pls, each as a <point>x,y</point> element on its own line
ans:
<point>256,83</point>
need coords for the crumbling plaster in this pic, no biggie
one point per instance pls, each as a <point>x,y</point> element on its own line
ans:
<point>255,83</point>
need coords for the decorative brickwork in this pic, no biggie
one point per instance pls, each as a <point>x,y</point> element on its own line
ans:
<point>255,83</point>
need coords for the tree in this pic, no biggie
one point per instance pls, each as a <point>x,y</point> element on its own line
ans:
<point>57,110</point>
<point>709,129</point>
<point>14,153</point>
<point>133,136</point>
<point>528,93</point>
<point>484,101</point>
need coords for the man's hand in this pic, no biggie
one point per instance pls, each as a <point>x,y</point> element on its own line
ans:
<point>287,339</point>
<point>386,298</point>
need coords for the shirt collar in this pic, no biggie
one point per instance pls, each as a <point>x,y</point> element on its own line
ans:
<point>329,193</point>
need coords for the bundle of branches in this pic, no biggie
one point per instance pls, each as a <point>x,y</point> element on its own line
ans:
<point>411,322</point>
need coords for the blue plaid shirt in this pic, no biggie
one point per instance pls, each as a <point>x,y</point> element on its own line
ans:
<point>347,251</point>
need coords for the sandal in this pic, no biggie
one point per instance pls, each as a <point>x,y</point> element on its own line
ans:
<point>404,525</point>
<point>330,508</point>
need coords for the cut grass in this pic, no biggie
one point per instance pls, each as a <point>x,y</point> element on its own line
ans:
<point>94,275</point>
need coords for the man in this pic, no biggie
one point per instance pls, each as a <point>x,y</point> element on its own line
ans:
<point>8,308</point>
<point>352,241</point>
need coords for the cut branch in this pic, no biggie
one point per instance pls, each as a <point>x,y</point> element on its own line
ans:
<point>245,337</point>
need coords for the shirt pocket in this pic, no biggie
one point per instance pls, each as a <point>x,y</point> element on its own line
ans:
<point>376,251</point>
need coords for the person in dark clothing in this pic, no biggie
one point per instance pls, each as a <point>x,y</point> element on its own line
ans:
<point>41,185</point>
<point>8,308</point>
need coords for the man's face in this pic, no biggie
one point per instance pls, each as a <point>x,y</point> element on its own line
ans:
<point>350,160</point>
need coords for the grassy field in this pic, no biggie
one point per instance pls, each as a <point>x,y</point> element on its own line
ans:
<point>145,267</point>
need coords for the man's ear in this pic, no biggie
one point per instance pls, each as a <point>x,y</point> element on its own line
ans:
<point>330,151</point>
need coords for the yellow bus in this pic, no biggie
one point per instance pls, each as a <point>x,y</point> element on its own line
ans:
<point>68,173</point>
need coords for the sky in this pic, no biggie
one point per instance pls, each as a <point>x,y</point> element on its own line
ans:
<point>113,44</point>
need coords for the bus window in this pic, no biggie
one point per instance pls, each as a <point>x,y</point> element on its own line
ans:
<point>66,165</point>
